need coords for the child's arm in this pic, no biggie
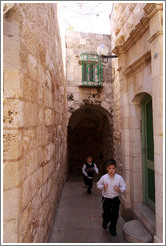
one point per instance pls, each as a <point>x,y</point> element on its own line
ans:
<point>96,169</point>
<point>122,185</point>
<point>100,184</point>
<point>83,170</point>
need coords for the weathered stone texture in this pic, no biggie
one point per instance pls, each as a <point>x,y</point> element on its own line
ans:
<point>116,105</point>
<point>124,18</point>
<point>13,85</point>
<point>12,148</point>
<point>10,228</point>
<point>34,121</point>
<point>76,44</point>
<point>100,131</point>
<point>39,104</point>
<point>136,30</point>
<point>12,175</point>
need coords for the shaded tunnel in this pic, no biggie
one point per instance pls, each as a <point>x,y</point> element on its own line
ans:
<point>90,131</point>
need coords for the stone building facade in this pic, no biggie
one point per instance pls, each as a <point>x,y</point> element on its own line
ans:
<point>52,120</point>
<point>137,39</point>
<point>35,122</point>
<point>89,107</point>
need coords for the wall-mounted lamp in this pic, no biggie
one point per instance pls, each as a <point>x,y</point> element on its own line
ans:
<point>102,51</point>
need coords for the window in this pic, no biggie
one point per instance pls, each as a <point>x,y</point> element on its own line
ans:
<point>92,70</point>
<point>89,72</point>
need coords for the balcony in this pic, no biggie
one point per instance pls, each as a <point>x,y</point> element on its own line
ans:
<point>92,70</point>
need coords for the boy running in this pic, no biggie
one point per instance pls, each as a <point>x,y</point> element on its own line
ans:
<point>88,170</point>
<point>111,185</point>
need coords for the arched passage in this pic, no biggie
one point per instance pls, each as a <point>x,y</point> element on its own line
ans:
<point>89,131</point>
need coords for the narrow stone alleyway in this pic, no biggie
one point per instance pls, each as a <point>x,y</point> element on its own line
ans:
<point>78,217</point>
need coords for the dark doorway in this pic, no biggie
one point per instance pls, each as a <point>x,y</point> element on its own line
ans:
<point>89,132</point>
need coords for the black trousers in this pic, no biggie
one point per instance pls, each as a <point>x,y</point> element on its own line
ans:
<point>111,212</point>
<point>88,182</point>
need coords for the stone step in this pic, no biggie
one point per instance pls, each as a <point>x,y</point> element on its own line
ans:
<point>147,217</point>
<point>134,232</point>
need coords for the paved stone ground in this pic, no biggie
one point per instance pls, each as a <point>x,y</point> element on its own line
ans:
<point>78,217</point>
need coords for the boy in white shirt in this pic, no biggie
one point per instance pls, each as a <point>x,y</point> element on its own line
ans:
<point>88,170</point>
<point>111,185</point>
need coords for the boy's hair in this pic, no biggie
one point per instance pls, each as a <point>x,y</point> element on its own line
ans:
<point>89,155</point>
<point>110,162</point>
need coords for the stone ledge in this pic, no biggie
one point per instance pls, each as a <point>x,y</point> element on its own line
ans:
<point>139,63</point>
<point>134,232</point>
<point>125,45</point>
<point>91,86</point>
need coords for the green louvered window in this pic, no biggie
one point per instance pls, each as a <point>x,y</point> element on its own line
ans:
<point>92,70</point>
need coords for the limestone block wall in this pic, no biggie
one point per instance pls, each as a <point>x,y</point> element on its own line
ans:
<point>77,43</point>
<point>123,19</point>
<point>35,123</point>
<point>138,44</point>
<point>116,106</point>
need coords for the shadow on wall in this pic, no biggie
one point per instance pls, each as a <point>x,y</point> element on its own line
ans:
<point>89,131</point>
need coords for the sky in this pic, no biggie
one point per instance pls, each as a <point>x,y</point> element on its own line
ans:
<point>88,16</point>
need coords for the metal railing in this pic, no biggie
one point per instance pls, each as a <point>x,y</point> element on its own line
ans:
<point>92,70</point>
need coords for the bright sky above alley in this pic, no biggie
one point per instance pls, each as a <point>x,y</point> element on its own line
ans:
<point>89,16</point>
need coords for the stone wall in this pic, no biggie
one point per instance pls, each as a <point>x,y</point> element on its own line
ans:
<point>76,44</point>
<point>35,123</point>
<point>123,20</point>
<point>136,30</point>
<point>79,97</point>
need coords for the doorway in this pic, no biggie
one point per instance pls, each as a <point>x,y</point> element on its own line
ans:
<point>148,153</point>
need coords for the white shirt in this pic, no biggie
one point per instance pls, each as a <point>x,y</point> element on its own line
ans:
<point>110,191</point>
<point>84,167</point>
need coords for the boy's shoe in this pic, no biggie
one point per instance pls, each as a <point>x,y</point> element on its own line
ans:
<point>104,225</point>
<point>113,233</point>
<point>89,191</point>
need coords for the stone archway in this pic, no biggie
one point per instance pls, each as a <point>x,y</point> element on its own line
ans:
<point>89,131</point>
